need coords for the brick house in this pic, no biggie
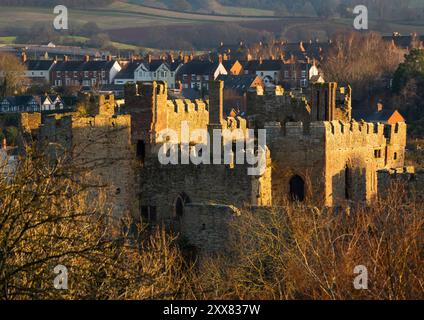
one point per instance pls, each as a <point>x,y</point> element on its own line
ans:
<point>298,74</point>
<point>235,90</point>
<point>86,73</point>
<point>196,74</point>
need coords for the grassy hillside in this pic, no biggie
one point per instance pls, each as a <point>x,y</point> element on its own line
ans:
<point>134,24</point>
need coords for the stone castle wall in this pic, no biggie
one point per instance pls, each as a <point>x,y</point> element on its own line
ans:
<point>412,180</point>
<point>340,160</point>
<point>100,146</point>
<point>206,226</point>
<point>314,151</point>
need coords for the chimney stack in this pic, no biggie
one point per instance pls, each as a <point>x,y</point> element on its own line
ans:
<point>220,59</point>
<point>149,58</point>
<point>65,58</point>
<point>4,144</point>
<point>86,58</point>
<point>380,106</point>
<point>109,58</point>
<point>24,57</point>
<point>179,86</point>
<point>171,57</point>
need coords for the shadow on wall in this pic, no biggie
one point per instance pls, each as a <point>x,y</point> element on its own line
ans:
<point>349,185</point>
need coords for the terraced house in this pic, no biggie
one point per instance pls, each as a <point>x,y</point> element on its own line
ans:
<point>38,71</point>
<point>30,103</point>
<point>87,73</point>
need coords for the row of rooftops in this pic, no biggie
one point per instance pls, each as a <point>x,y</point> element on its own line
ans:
<point>203,67</point>
<point>32,103</point>
<point>405,41</point>
<point>312,49</point>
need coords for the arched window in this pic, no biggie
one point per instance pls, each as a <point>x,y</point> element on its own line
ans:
<point>180,203</point>
<point>297,189</point>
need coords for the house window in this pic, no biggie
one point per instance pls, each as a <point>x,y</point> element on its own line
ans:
<point>286,74</point>
<point>172,74</point>
<point>395,156</point>
<point>85,74</point>
<point>103,73</point>
<point>303,83</point>
<point>377,154</point>
<point>303,74</point>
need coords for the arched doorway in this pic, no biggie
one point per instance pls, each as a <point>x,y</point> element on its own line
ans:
<point>180,203</point>
<point>297,189</point>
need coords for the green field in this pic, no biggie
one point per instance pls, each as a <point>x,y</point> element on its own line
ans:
<point>119,15</point>
<point>7,40</point>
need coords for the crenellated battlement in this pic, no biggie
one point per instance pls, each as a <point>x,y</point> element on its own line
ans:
<point>337,130</point>
<point>279,95</point>
<point>145,89</point>
<point>187,106</point>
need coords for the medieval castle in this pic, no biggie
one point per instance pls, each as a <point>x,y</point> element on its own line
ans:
<point>315,153</point>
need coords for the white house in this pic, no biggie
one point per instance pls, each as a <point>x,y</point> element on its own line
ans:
<point>158,70</point>
<point>38,70</point>
<point>155,70</point>
<point>51,103</point>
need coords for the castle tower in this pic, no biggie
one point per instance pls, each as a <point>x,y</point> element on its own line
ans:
<point>216,108</point>
<point>216,102</point>
<point>323,101</point>
<point>146,103</point>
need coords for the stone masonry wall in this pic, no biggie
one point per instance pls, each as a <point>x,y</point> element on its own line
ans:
<point>207,226</point>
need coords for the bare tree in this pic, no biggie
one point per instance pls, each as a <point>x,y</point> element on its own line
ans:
<point>49,216</point>
<point>12,75</point>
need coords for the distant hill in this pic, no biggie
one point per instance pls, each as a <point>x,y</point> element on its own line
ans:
<point>45,3</point>
<point>381,9</point>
